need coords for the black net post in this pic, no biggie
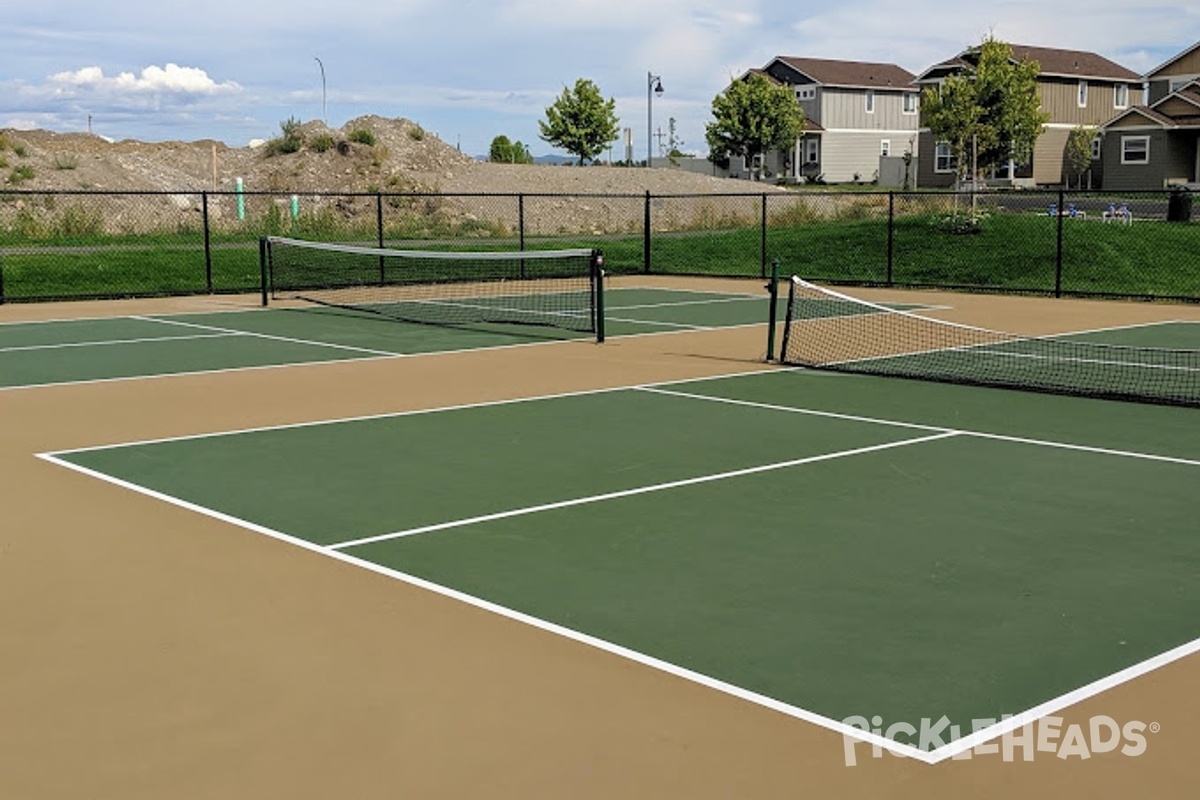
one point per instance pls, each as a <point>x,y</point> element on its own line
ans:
<point>598,293</point>
<point>263,255</point>
<point>772,313</point>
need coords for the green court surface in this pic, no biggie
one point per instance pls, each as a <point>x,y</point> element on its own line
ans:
<point>827,545</point>
<point>123,347</point>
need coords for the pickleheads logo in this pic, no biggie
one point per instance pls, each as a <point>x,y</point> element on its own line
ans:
<point>1052,736</point>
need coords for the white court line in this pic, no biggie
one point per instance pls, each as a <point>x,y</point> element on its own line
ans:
<point>680,303</point>
<point>1082,448</point>
<point>898,748</point>
<point>659,323</point>
<point>930,757</point>
<point>656,487</point>
<point>416,412</point>
<point>106,342</point>
<point>1102,361</point>
<point>272,337</point>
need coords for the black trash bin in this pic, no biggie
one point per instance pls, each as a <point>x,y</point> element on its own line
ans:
<point>1179,205</point>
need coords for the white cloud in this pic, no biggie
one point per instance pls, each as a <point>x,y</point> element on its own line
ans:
<point>171,78</point>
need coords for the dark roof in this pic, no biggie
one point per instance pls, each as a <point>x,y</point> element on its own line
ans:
<point>850,73</point>
<point>1156,117</point>
<point>1051,61</point>
<point>1170,62</point>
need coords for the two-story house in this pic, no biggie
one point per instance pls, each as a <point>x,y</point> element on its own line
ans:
<point>1075,87</point>
<point>855,112</point>
<point>1157,145</point>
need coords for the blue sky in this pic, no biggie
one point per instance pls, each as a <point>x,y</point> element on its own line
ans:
<point>471,70</point>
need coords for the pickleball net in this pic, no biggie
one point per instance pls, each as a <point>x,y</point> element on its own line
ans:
<point>557,288</point>
<point>825,329</point>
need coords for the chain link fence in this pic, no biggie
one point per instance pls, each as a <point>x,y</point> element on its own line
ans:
<point>94,244</point>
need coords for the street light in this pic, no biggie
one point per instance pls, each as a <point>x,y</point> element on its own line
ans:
<point>322,66</point>
<point>653,88</point>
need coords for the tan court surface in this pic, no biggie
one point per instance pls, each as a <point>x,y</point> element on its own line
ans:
<point>150,652</point>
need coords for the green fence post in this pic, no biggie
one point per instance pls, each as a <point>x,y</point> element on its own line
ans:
<point>762,239</point>
<point>891,234</point>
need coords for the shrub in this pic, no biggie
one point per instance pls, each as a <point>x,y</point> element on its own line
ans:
<point>363,136</point>
<point>291,141</point>
<point>323,142</point>
<point>76,221</point>
<point>65,161</point>
<point>20,174</point>
<point>416,133</point>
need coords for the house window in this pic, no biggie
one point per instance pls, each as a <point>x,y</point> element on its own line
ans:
<point>1095,148</point>
<point>943,158</point>
<point>1135,149</point>
<point>1083,87</point>
<point>910,102</point>
<point>885,147</point>
<point>870,101</point>
<point>806,93</point>
<point>1121,95</point>
<point>811,151</point>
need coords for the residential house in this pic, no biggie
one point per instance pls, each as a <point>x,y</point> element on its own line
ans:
<point>855,112</point>
<point>1075,88</point>
<point>1158,145</point>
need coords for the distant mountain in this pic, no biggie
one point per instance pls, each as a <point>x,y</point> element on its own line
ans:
<point>555,160</point>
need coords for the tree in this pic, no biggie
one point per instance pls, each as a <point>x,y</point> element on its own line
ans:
<point>504,151</point>
<point>580,121</point>
<point>990,113</point>
<point>752,117</point>
<point>1078,154</point>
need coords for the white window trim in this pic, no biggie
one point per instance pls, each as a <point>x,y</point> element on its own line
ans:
<point>1117,91</point>
<point>885,147</point>
<point>812,151</point>
<point>910,97</point>
<point>1096,142</point>
<point>949,158</point>
<point>1125,140</point>
<point>1082,95</point>
<point>806,93</point>
<point>870,101</point>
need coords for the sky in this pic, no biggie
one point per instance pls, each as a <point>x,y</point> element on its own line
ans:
<point>471,70</point>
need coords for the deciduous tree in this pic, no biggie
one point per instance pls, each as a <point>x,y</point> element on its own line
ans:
<point>751,117</point>
<point>581,121</point>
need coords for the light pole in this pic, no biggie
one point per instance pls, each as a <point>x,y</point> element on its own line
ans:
<point>322,66</point>
<point>653,88</point>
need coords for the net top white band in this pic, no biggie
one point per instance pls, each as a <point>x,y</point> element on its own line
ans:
<point>499,255</point>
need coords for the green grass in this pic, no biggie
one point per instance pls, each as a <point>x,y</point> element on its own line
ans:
<point>1014,252</point>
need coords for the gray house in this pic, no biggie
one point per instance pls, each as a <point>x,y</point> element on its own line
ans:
<point>855,112</point>
<point>1075,88</point>
<point>1158,145</point>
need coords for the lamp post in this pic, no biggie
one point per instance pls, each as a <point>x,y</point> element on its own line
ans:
<point>653,88</point>
<point>322,66</point>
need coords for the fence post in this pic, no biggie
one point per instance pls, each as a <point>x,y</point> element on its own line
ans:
<point>762,244</point>
<point>1058,250</point>
<point>891,233</point>
<point>379,219</point>
<point>646,235</point>
<point>521,221</point>
<point>208,282</point>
